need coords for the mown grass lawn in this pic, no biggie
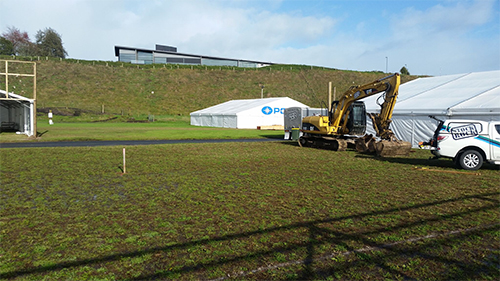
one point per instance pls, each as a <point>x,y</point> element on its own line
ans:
<point>244,211</point>
<point>173,129</point>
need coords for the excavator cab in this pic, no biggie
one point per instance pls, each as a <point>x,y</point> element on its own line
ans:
<point>356,119</point>
<point>356,123</point>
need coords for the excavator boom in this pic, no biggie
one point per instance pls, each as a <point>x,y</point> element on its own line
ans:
<point>389,85</point>
<point>347,116</point>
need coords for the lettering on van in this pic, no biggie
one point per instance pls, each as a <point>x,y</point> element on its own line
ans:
<point>463,132</point>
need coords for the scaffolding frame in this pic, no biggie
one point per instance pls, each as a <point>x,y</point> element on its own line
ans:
<point>15,97</point>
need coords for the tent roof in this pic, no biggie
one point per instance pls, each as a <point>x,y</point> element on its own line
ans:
<point>472,93</point>
<point>234,107</point>
<point>3,94</point>
<point>14,100</point>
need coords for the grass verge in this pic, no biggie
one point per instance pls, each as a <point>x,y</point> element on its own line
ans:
<point>168,127</point>
<point>212,211</point>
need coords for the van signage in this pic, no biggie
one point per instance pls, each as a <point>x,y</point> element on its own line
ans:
<point>267,110</point>
<point>463,132</point>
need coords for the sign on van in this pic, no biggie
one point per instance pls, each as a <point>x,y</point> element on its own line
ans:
<point>463,132</point>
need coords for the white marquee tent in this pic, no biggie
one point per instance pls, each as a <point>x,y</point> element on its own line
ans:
<point>463,96</point>
<point>244,114</point>
<point>17,113</point>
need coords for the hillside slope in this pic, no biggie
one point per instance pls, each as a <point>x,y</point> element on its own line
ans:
<point>130,89</point>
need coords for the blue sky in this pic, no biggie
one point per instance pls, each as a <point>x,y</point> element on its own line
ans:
<point>432,37</point>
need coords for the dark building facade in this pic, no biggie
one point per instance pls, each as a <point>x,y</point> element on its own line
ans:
<point>169,55</point>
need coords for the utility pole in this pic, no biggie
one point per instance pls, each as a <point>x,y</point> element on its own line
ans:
<point>386,64</point>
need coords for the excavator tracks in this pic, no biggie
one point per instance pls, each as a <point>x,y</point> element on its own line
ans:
<point>367,144</point>
<point>335,144</point>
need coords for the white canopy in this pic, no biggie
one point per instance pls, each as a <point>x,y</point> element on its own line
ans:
<point>473,96</point>
<point>17,113</point>
<point>244,114</point>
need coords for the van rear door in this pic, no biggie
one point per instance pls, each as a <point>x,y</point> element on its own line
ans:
<point>495,141</point>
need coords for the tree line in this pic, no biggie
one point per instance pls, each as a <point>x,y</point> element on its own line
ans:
<point>47,43</point>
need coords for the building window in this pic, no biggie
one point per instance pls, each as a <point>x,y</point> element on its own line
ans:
<point>160,60</point>
<point>126,55</point>
<point>147,57</point>
<point>175,60</point>
<point>192,61</point>
<point>215,62</point>
<point>247,64</point>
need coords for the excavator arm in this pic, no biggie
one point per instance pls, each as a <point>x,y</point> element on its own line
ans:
<point>389,85</point>
<point>332,131</point>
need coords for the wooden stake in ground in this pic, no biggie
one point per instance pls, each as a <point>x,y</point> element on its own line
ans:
<point>124,163</point>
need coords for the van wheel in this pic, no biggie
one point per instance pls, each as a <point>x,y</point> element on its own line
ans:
<point>470,160</point>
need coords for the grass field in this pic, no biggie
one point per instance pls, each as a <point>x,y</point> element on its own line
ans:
<point>76,86</point>
<point>168,127</point>
<point>243,211</point>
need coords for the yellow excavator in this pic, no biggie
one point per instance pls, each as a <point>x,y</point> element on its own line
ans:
<point>345,125</point>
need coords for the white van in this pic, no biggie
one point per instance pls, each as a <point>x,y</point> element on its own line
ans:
<point>468,142</point>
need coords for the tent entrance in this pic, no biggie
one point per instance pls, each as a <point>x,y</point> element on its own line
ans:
<point>18,113</point>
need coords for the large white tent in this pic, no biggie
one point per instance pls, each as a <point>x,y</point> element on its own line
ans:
<point>17,113</point>
<point>463,96</point>
<point>245,114</point>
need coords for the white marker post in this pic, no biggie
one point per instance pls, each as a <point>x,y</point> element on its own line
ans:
<point>50,118</point>
<point>124,168</point>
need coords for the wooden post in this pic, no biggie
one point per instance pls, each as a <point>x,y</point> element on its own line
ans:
<point>102,108</point>
<point>124,164</point>
<point>329,96</point>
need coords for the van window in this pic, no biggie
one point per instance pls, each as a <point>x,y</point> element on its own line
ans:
<point>498,128</point>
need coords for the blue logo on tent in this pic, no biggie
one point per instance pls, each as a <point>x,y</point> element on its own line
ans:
<point>267,110</point>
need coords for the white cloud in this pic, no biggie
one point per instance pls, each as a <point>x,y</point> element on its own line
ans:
<point>439,19</point>
<point>430,37</point>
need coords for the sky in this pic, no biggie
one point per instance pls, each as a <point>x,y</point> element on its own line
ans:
<point>428,37</point>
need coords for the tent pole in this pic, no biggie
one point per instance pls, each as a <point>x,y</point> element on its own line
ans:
<point>34,100</point>
<point>7,79</point>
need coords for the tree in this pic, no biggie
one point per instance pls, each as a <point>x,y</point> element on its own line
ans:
<point>6,47</point>
<point>49,43</point>
<point>404,71</point>
<point>20,41</point>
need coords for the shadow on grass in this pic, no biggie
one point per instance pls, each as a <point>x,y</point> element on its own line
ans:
<point>275,137</point>
<point>441,162</point>
<point>40,134</point>
<point>319,235</point>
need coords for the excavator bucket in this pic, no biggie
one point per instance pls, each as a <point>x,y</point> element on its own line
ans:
<point>386,148</point>
<point>365,144</point>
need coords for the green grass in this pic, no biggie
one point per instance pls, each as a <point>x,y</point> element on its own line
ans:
<point>76,86</point>
<point>204,211</point>
<point>166,127</point>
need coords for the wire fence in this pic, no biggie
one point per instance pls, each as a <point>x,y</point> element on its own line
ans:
<point>276,67</point>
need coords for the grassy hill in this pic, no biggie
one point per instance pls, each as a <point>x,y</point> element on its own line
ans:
<point>88,86</point>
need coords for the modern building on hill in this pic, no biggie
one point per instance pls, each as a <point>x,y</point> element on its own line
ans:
<point>169,55</point>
